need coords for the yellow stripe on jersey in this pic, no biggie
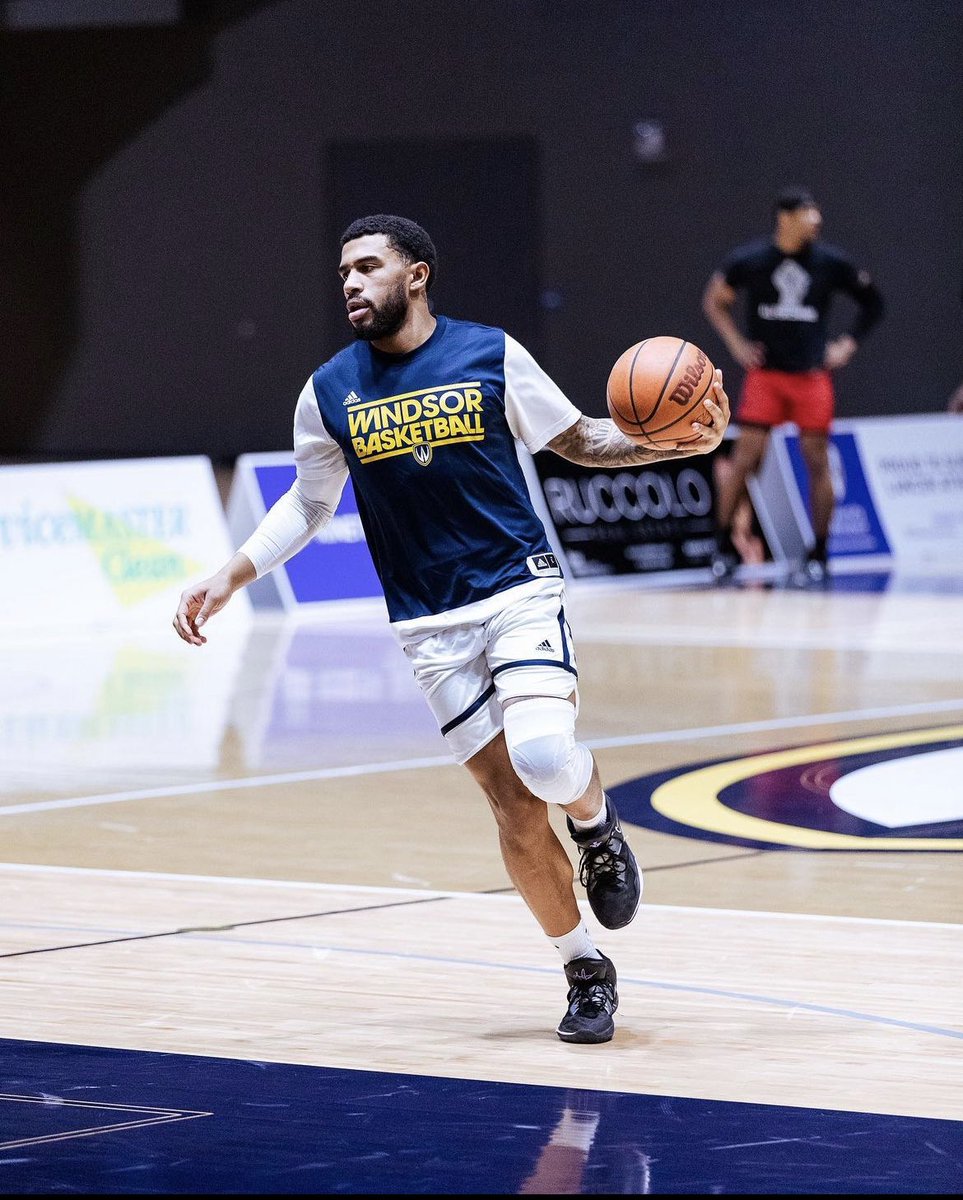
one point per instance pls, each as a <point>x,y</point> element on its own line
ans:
<point>444,387</point>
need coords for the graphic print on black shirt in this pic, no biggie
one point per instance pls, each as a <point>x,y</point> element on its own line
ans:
<point>789,298</point>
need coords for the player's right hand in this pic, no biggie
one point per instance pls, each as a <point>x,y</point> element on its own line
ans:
<point>197,604</point>
<point>717,405</point>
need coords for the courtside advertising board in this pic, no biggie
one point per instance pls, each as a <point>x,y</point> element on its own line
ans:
<point>108,543</point>
<point>649,523</point>
<point>334,566</point>
<point>898,483</point>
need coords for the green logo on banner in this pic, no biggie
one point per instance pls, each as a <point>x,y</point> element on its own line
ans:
<point>136,565</point>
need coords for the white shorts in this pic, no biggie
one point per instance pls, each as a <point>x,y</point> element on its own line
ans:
<point>468,671</point>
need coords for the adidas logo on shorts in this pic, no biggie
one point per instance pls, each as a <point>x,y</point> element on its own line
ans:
<point>546,645</point>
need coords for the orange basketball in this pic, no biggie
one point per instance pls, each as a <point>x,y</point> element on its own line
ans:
<point>656,388</point>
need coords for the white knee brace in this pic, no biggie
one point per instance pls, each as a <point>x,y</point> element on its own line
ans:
<point>540,733</point>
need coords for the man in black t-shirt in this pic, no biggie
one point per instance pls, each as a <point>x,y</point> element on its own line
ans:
<point>788,281</point>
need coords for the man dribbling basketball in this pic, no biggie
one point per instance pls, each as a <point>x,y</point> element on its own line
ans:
<point>424,412</point>
<point>789,281</point>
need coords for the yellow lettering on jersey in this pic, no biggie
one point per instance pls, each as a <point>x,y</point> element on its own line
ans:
<point>389,414</point>
<point>360,421</point>
<point>433,416</point>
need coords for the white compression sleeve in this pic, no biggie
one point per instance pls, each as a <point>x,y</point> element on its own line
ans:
<point>287,527</point>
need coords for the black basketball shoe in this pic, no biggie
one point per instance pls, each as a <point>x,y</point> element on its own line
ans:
<point>592,1001</point>
<point>608,870</point>
<point>725,557</point>
<point>811,573</point>
<point>723,565</point>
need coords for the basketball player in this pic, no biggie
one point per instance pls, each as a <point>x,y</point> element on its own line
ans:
<point>788,282</point>
<point>423,412</point>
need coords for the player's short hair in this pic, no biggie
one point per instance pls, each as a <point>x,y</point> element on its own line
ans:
<point>406,237</point>
<point>792,198</point>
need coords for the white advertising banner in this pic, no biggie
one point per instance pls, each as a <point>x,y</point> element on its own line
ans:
<point>914,469</point>
<point>99,543</point>
<point>898,483</point>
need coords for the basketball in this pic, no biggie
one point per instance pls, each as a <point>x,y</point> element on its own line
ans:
<point>656,388</point>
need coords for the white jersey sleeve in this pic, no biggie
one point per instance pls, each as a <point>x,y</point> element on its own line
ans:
<point>322,467</point>
<point>536,407</point>
<point>310,503</point>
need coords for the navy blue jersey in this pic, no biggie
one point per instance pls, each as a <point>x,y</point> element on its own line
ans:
<point>429,439</point>
<point>789,297</point>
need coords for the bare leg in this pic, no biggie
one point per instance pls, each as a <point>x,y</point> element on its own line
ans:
<point>822,501</point>
<point>542,873</point>
<point>743,462</point>
<point>535,859</point>
<point>607,866</point>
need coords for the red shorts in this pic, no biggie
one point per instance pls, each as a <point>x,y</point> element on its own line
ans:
<point>774,397</point>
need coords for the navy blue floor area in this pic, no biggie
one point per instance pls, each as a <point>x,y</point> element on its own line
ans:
<point>78,1119</point>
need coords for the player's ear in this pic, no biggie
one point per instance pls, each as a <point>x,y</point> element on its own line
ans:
<point>419,276</point>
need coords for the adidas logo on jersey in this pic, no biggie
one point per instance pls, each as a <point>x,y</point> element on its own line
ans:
<point>543,564</point>
<point>546,645</point>
<point>352,398</point>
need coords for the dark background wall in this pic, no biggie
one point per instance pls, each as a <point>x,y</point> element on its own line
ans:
<point>166,266</point>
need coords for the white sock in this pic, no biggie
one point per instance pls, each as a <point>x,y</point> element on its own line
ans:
<point>592,822</point>
<point>577,944</point>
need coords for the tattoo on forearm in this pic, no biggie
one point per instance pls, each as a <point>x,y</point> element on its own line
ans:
<point>598,442</point>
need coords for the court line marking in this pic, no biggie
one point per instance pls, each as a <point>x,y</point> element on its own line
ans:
<point>417,764</point>
<point>661,985</point>
<point>423,893</point>
<point>793,1006</point>
<point>894,639</point>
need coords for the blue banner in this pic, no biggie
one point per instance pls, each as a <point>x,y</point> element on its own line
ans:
<point>855,527</point>
<point>334,565</point>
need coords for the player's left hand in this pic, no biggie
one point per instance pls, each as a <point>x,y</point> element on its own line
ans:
<point>197,604</point>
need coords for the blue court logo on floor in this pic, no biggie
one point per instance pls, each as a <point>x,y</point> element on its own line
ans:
<point>895,791</point>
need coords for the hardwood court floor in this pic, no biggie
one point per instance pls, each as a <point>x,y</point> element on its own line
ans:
<point>259,852</point>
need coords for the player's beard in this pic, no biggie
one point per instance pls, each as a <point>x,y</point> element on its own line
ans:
<point>386,318</point>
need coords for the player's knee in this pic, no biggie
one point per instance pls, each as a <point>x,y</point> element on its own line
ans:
<point>540,735</point>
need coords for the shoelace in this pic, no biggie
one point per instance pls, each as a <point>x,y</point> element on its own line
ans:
<point>600,863</point>
<point>590,1001</point>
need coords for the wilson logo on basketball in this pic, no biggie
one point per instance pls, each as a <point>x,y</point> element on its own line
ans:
<point>685,388</point>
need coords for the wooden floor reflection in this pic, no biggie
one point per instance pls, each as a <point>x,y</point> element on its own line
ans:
<point>261,850</point>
